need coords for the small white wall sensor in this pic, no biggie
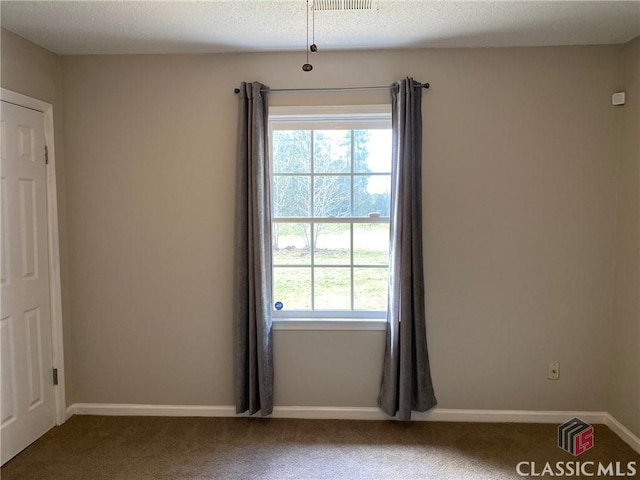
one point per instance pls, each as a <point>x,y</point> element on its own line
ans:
<point>618,98</point>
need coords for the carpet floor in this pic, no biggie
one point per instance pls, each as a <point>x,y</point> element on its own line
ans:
<point>159,448</point>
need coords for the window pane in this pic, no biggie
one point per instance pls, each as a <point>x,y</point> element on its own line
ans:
<point>332,151</point>
<point>370,288</point>
<point>292,287</point>
<point>291,151</point>
<point>333,244</point>
<point>332,288</point>
<point>371,244</point>
<point>372,151</point>
<point>371,194</point>
<point>291,244</point>
<point>332,196</point>
<point>330,174</point>
<point>291,196</point>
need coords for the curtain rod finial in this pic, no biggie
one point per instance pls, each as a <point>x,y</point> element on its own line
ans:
<point>426,85</point>
<point>236,90</point>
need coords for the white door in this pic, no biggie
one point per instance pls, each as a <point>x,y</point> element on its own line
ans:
<point>27,408</point>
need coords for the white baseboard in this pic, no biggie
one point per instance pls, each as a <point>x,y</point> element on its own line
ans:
<point>339,413</point>
<point>359,413</point>
<point>439,415</point>
<point>336,413</point>
<point>141,410</point>
<point>623,432</point>
<point>507,416</point>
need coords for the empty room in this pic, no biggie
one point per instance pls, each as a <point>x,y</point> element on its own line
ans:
<point>320,239</point>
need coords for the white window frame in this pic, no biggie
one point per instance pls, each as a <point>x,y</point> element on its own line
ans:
<point>326,118</point>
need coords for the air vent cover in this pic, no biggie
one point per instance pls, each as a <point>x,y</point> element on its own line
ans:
<point>329,5</point>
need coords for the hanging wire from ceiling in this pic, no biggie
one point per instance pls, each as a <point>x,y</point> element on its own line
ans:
<point>307,67</point>
<point>313,47</point>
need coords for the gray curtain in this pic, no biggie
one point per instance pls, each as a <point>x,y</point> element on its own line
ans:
<point>252,329</point>
<point>406,379</point>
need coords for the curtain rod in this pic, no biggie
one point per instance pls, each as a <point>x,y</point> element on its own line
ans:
<point>328,89</point>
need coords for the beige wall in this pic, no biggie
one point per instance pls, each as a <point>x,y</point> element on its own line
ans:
<point>520,197</point>
<point>33,71</point>
<point>625,367</point>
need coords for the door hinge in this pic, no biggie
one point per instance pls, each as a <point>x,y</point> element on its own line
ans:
<point>55,376</point>
<point>46,155</point>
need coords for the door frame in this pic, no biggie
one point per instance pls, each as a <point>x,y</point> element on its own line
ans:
<point>53,244</point>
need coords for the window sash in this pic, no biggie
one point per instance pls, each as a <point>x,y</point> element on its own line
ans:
<point>335,314</point>
<point>351,265</point>
<point>330,220</point>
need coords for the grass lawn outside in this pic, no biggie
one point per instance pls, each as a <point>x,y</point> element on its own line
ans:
<point>332,266</point>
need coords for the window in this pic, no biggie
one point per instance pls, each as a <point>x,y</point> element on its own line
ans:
<point>331,183</point>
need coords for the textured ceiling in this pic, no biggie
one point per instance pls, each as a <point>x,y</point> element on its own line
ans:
<point>113,27</point>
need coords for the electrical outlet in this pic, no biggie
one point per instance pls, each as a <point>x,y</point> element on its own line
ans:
<point>553,373</point>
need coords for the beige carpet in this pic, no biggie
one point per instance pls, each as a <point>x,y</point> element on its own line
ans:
<point>132,448</point>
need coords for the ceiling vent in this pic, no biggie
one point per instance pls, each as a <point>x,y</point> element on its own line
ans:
<point>334,5</point>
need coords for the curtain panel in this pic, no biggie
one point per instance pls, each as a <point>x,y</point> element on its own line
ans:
<point>406,380</point>
<point>253,338</point>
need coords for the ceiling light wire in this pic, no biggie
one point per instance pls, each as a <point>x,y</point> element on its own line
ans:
<point>307,67</point>
<point>313,47</point>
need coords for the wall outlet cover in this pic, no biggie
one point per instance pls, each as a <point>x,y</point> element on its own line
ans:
<point>553,372</point>
<point>618,98</point>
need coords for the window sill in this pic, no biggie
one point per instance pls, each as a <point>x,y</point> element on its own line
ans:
<point>330,324</point>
